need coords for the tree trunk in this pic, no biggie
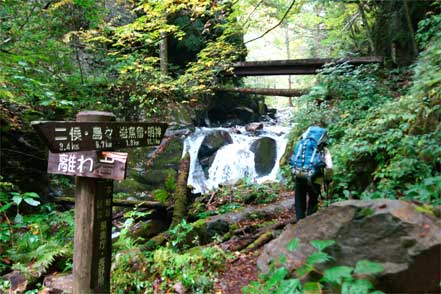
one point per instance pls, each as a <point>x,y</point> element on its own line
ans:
<point>366,26</point>
<point>410,26</point>
<point>180,207</point>
<point>163,54</point>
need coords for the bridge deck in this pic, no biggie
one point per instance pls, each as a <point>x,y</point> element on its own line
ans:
<point>294,66</point>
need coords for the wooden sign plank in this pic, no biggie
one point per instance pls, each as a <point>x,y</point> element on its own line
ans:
<point>92,164</point>
<point>63,136</point>
<point>102,240</point>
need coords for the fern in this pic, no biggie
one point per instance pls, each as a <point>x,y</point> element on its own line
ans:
<point>38,261</point>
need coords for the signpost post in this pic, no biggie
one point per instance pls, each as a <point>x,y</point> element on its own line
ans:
<point>74,151</point>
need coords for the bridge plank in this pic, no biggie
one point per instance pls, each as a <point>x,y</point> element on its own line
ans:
<point>294,66</point>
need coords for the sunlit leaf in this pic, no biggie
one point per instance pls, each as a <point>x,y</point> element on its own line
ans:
<point>31,201</point>
<point>322,244</point>
<point>17,199</point>
<point>312,288</point>
<point>368,267</point>
<point>318,257</point>
<point>18,219</point>
<point>291,286</point>
<point>337,274</point>
<point>293,244</point>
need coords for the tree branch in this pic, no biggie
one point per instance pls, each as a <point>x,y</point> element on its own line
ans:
<point>278,24</point>
<point>251,13</point>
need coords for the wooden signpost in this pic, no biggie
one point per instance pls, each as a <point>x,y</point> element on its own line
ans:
<point>63,136</point>
<point>91,164</point>
<point>75,150</point>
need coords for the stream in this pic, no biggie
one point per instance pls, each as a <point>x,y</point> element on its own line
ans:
<point>237,160</point>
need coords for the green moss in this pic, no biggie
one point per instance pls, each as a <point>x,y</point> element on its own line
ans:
<point>129,186</point>
<point>364,212</point>
<point>427,209</point>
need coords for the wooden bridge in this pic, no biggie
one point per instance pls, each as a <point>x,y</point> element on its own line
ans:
<point>294,66</point>
<point>287,67</point>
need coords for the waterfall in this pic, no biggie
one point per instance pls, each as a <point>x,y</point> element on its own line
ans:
<point>234,161</point>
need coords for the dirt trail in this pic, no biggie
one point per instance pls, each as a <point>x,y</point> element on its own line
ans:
<point>237,274</point>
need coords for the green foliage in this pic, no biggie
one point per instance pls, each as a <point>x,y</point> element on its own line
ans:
<point>260,193</point>
<point>125,240</point>
<point>16,199</point>
<point>336,279</point>
<point>229,207</point>
<point>170,183</point>
<point>382,147</point>
<point>38,241</point>
<point>160,195</point>
<point>293,244</point>
<point>179,234</point>
<point>429,28</point>
<point>165,267</point>
<point>163,195</point>
<point>36,61</point>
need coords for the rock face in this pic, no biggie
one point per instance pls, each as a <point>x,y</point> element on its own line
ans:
<point>59,283</point>
<point>237,109</point>
<point>148,174</point>
<point>210,145</point>
<point>252,127</point>
<point>265,153</point>
<point>394,233</point>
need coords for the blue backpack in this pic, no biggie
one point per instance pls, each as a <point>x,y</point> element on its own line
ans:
<point>308,159</point>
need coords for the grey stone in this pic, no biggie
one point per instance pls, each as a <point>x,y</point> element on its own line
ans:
<point>59,283</point>
<point>252,127</point>
<point>210,145</point>
<point>405,241</point>
<point>265,154</point>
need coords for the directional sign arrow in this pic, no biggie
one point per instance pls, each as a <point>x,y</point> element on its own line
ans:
<point>66,136</point>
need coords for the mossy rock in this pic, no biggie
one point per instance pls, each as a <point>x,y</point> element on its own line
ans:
<point>129,186</point>
<point>144,177</point>
<point>265,151</point>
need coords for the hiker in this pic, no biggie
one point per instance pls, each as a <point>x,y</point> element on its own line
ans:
<point>311,166</point>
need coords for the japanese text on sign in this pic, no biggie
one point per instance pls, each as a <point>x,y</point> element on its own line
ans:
<point>105,164</point>
<point>82,136</point>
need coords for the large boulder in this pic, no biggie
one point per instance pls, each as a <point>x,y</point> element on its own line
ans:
<point>212,142</point>
<point>403,237</point>
<point>265,153</point>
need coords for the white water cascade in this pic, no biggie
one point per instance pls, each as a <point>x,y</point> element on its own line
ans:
<point>233,161</point>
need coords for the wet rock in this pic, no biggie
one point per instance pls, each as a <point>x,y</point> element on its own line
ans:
<point>210,145</point>
<point>265,153</point>
<point>405,241</point>
<point>235,131</point>
<point>149,172</point>
<point>252,127</point>
<point>58,283</point>
<point>17,282</point>
<point>245,114</point>
<point>272,113</point>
